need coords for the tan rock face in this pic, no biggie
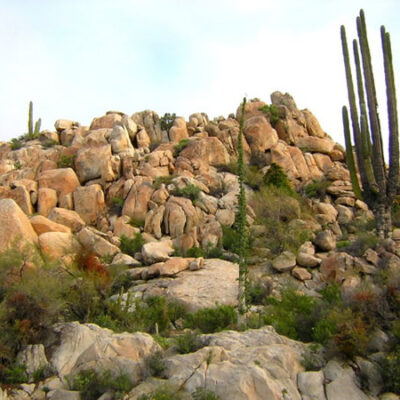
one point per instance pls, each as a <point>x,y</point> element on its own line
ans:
<point>67,217</point>
<point>312,124</point>
<point>89,202</point>
<point>90,162</point>
<point>120,140</point>
<point>21,196</point>
<point>63,124</point>
<point>259,134</point>
<point>178,130</point>
<point>154,252</point>
<point>207,150</point>
<point>94,243</point>
<point>62,180</point>
<point>59,244</point>
<point>106,121</point>
<point>316,144</point>
<point>180,216</point>
<point>136,205</point>
<point>15,228</point>
<point>47,200</point>
<point>42,224</point>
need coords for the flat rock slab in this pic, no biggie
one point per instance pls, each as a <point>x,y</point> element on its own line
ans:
<point>216,282</point>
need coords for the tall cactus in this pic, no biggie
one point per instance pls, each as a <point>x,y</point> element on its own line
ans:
<point>379,186</point>
<point>33,132</point>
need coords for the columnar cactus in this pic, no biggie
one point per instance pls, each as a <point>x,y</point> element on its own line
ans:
<point>33,132</point>
<point>378,185</point>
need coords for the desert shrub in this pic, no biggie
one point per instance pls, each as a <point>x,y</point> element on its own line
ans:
<point>93,384</point>
<point>190,191</point>
<point>164,392</point>
<point>257,292</point>
<point>166,121</point>
<point>17,164</point>
<point>137,222</point>
<point>16,144</point>
<point>331,294</point>
<point>66,161</point>
<point>13,374</point>
<point>212,319</point>
<point>317,188</point>
<point>362,242</point>
<point>396,214</point>
<point>276,176</point>
<point>272,112</point>
<point>202,393</point>
<point>253,177</point>
<point>159,180</point>
<point>155,364</point>
<point>131,246</point>
<point>188,342</point>
<point>292,315</point>
<point>195,252</point>
<point>180,146</point>
<point>390,370</point>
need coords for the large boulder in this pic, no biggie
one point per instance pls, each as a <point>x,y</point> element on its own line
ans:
<point>77,347</point>
<point>94,243</point>
<point>154,252</point>
<point>208,150</point>
<point>136,205</point>
<point>67,217</point>
<point>42,224</point>
<point>47,200</point>
<point>62,180</point>
<point>178,130</point>
<point>59,244</point>
<point>260,135</point>
<point>89,202</point>
<point>15,228</point>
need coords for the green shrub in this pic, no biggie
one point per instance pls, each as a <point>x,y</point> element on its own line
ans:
<point>117,201</point>
<point>66,161</point>
<point>276,176</point>
<point>13,374</point>
<point>390,370</point>
<point>156,365</point>
<point>16,144</point>
<point>17,164</point>
<point>180,146</point>
<point>317,188</point>
<point>195,252</point>
<point>272,113</point>
<point>188,342</point>
<point>212,319</point>
<point>190,191</point>
<point>166,121</point>
<point>164,392</point>
<point>93,384</point>
<point>257,292</point>
<point>202,393</point>
<point>159,180</point>
<point>137,222</point>
<point>133,245</point>
<point>363,242</point>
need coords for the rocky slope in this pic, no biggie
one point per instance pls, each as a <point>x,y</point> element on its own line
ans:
<point>77,190</point>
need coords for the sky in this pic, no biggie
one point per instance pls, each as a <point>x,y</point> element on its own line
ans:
<point>77,59</point>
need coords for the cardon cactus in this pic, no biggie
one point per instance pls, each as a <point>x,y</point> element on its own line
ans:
<point>378,183</point>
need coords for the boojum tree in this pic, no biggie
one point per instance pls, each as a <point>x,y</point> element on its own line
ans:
<point>377,184</point>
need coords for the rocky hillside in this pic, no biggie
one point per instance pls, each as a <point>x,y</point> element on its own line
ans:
<point>143,207</point>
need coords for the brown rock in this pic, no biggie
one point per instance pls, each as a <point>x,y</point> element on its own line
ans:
<point>95,243</point>
<point>284,262</point>
<point>89,202</point>
<point>154,252</point>
<point>142,139</point>
<point>123,227</point>
<point>168,268</point>
<point>325,240</point>
<point>63,124</point>
<point>180,216</point>
<point>67,217</point>
<point>301,274</point>
<point>178,130</point>
<point>42,224</point>
<point>312,124</point>
<point>21,196</point>
<point>280,155</point>
<point>259,134</point>
<point>15,228</point>
<point>47,200</point>
<point>323,161</point>
<point>62,180</point>
<point>153,222</point>
<point>335,268</point>
<point>207,150</point>
<point>120,140</point>
<point>59,244</point>
<point>136,205</point>
<point>315,144</point>
<point>106,121</point>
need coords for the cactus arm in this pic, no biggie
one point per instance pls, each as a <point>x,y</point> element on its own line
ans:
<point>30,119</point>
<point>393,179</point>
<point>37,127</point>
<point>377,154</point>
<point>349,154</point>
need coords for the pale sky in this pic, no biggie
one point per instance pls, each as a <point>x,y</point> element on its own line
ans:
<point>77,59</point>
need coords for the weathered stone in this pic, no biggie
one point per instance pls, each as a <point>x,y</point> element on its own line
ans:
<point>301,274</point>
<point>59,244</point>
<point>154,252</point>
<point>33,357</point>
<point>105,122</point>
<point>42,224</point>
<point>311,385</point>
<point>335,268</point>
<point>136,205</point>
<point>178,130</point>
<point>63,394</point>
<point>120,140</point>
<point>15,228</point>
<point>93,242</point>
<point>123,227</point>
<point>21,196</point>
<point>207,150</point>
<point>62,180</point>
<point>180,216</point>
<point>325,240</point>
<point>125,259</point>
<point>284,262</point>
<point>171,267</point>
<point>150,121</point>
<point>89,202</point>
<point>312,124</point>
<point>47,200</point>
<point>63,124</point>
<point>259,134</point>
<point>345,214</point>
<point>153,222</point>
<point>328,210</point>
<point>315,144</point>
<point>67,217</point>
